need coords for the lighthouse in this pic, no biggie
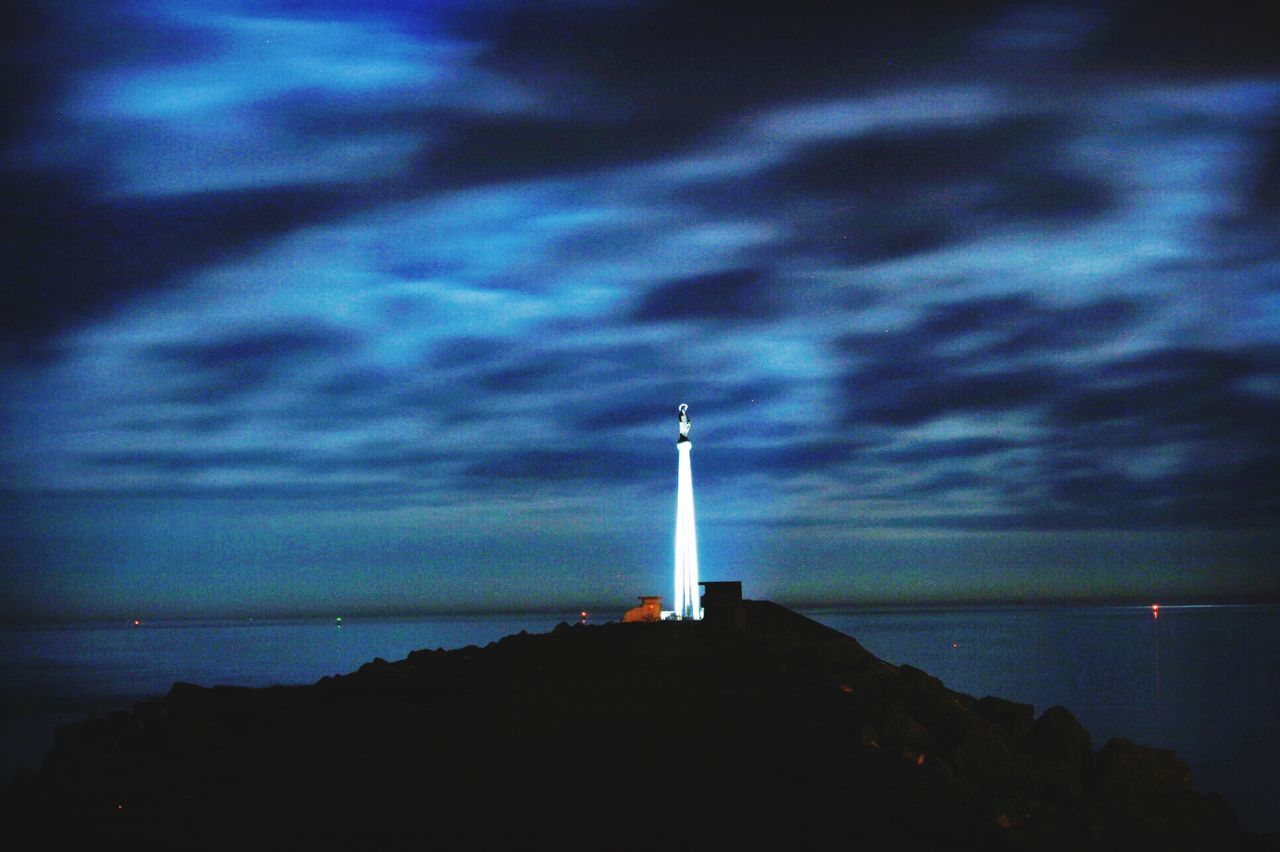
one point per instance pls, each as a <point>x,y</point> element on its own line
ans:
<point>687,604</point>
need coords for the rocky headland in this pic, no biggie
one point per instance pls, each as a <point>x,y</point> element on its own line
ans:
<point>757,727</point>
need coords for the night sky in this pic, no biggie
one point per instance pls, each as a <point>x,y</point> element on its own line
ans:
<point>387,306</point>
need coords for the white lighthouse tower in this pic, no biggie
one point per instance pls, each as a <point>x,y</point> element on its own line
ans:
<point>687,604</point>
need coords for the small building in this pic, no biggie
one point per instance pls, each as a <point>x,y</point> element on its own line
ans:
<point>721,593</point>
<point>722,603</point>
<point>650,609</point>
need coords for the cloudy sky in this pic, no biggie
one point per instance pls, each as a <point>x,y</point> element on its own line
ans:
<point>319,306</point>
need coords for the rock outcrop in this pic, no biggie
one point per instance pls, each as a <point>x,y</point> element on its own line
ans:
<point>766,729</point>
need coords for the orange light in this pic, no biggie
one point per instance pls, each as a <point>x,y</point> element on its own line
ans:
<point>1155,610</point>
<point>137,622</point>
<point>920,760</point>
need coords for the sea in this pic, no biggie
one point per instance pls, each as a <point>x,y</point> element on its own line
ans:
<point>1201,680</point>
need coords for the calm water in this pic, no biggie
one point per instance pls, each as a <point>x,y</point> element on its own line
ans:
<point>1200,680</point>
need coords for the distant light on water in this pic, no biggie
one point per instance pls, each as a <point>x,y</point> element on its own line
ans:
<point>1155,610</point>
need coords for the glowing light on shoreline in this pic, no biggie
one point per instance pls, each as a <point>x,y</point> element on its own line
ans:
<point>687,604</point>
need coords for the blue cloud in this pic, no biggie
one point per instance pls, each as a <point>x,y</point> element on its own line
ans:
<point>969,271</point>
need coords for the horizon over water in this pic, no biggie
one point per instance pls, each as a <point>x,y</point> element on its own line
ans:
<point>1199,679</point>
<point>600,612</point>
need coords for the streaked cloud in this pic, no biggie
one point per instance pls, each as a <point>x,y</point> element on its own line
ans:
<point>940,275</point>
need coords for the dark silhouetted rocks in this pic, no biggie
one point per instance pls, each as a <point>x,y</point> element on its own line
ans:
<point>1015,718</point>
<point>763,729</point>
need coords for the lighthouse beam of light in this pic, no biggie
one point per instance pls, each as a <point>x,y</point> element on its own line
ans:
<point>687,604</point>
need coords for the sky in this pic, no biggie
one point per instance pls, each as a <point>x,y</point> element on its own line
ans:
<point>387,307</point>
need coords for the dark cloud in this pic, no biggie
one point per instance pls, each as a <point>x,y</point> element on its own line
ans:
<point>1196,393</point>
<point>191,461</point>
<point>493,149</point>
<point>397,458</point>
<point>943,363</point>
<point>537,374</point>
<point>1264,191</point>
<point>889,167</point>
<point>360,382</point>
<point>737,294</point>
<point>485,250</point>
<point>625,415</point>
<point>322,494</point>
<point>186,424</point>
<point>551,466</point>
<point>633,91</point>
<point>1230,494</point>
<point>1186,36</point>
<point>44,46</point>
<point>468,352</point>
<point>1211,439</point>
<point>1004,325</point>
<point>956,448</point>
<point>1247,236</point>
<point>1164,438</point>
<point>350,397</point>
<point>1167,439</point>
<point>1072,326</point>
<point>33,81</point>
<point>905,395</point>
<point>701,61</point>
<point>1001,314</point>
<point>306,471</point>
<point>946,482</point>
<point>230,366</point>
<point>1018,324</point>
<point>538,363</point>
<point>74,255</point>
<point>793,457</point>
<point>1050,197</point>
<point>904,192</point>
<point>254,348</point>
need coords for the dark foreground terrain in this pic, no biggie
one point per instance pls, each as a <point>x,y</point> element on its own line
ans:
<point>756,728</point>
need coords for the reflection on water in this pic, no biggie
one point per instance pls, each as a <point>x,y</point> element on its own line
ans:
<point>1155,645</point>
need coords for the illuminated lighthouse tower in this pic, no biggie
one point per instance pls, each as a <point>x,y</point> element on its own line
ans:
<point>687,604</point>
